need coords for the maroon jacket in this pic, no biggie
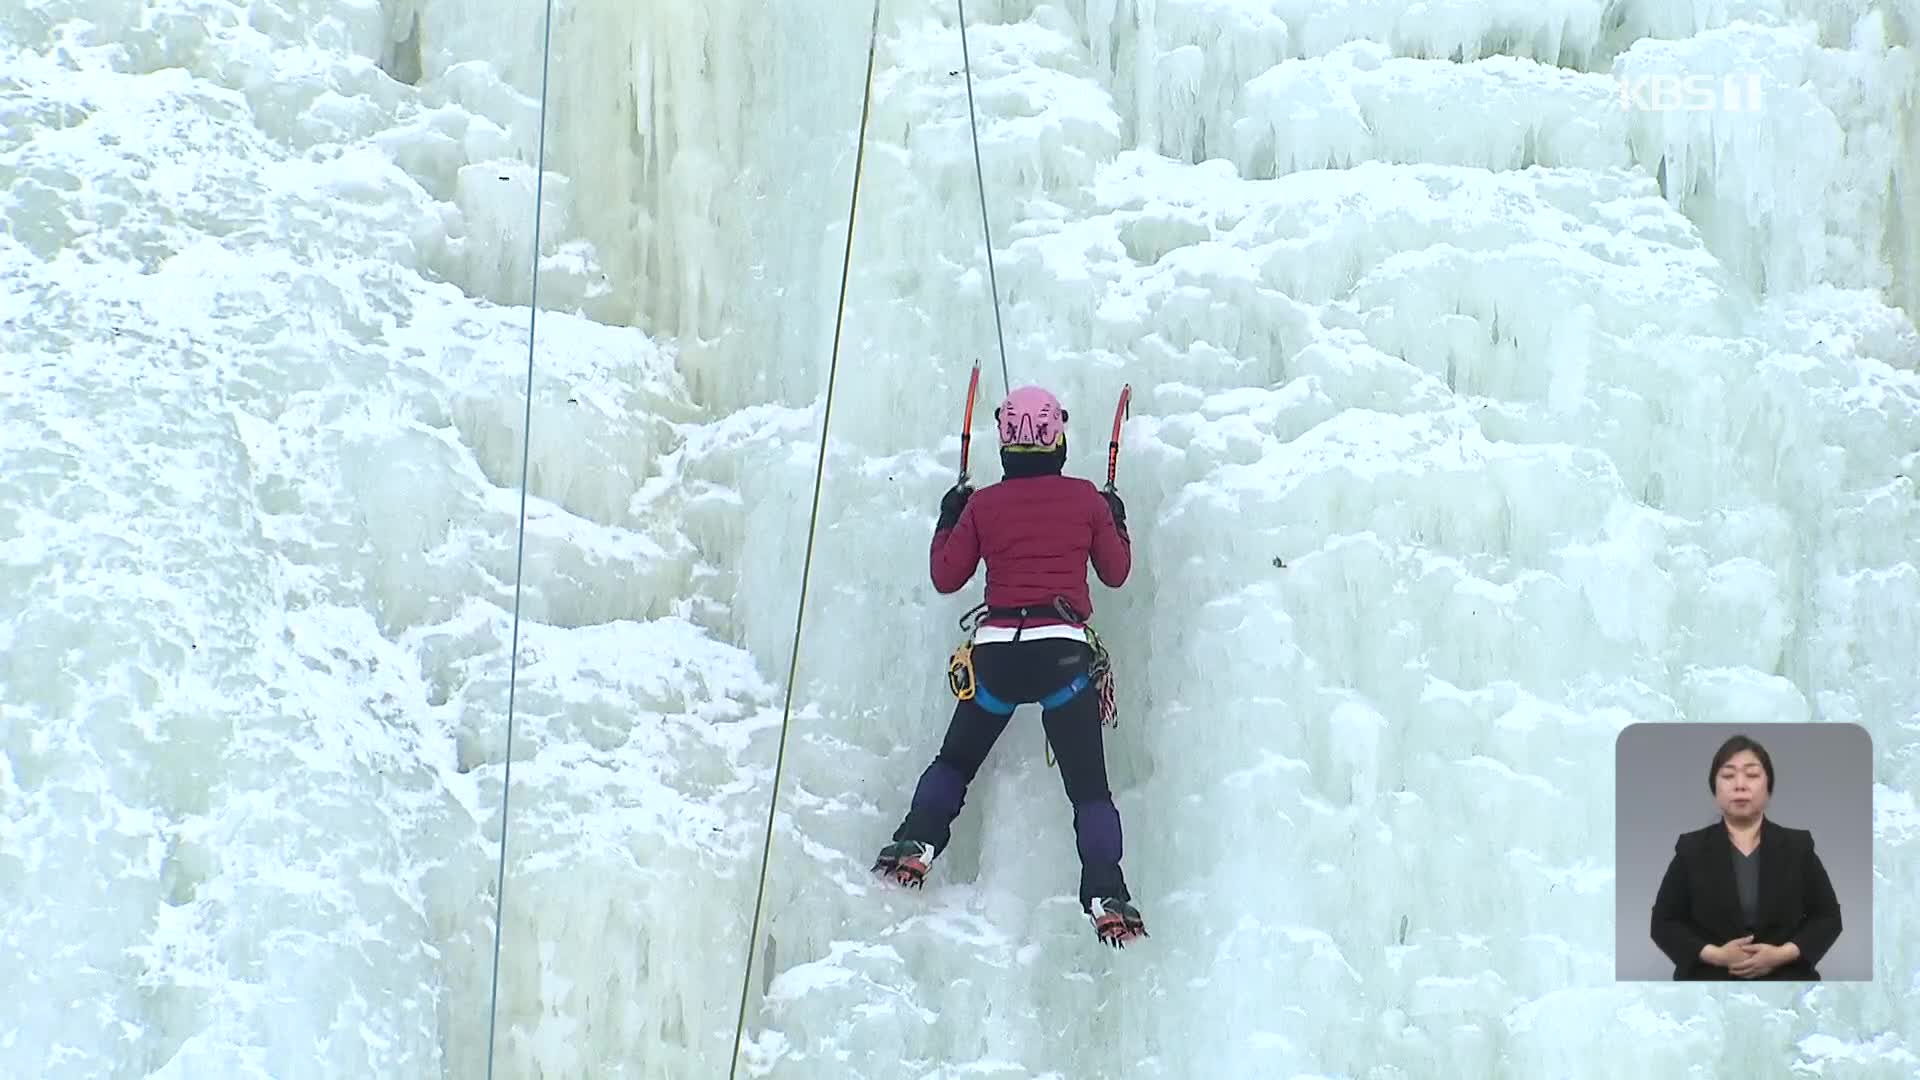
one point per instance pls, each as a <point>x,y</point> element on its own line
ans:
<point>1037,535</point>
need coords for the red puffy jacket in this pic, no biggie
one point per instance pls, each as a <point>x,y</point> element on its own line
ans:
<point>1037,535</point>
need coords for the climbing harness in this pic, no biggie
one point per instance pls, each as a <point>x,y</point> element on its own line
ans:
<point>964,681</point>
<point>985,699</point>
<point>806,562</point>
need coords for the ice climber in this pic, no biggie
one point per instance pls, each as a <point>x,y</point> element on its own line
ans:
<point>1037,530</point>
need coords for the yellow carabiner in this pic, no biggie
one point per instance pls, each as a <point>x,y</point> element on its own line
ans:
<point>960,672</point>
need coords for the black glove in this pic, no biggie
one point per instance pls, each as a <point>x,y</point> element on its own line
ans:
<point>954,501</point>
<point>1119,509</point>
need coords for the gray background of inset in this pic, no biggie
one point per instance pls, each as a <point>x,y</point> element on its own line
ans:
<point>1823,780</point>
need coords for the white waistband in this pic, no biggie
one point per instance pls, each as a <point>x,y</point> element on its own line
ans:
<point>1028,633</point>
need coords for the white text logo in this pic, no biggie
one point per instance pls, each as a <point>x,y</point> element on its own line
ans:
<point>1689,93</point>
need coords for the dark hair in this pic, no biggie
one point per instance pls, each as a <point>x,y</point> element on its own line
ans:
<point>1018,463</point>
<point>1733,746</point>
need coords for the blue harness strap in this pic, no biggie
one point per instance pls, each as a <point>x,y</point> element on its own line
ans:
<point>1052,701</point>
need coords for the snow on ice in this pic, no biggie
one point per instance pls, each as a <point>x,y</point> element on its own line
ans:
<point>1475,417</point>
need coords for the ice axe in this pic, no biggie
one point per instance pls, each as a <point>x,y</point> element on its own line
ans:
<point>966,423</point>
<point>1113,444</point>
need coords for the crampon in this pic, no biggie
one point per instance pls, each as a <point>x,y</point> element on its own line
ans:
<point>1116,922</point>
<point>905,862</point>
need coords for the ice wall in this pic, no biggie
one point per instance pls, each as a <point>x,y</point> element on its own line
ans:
<point>258,498</point>
<point>1519,84</point>
<point>697,155</point>
<point>1474,420</point>
<point>219,788</point>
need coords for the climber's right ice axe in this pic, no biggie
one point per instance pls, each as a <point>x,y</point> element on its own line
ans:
<point>966,423</point>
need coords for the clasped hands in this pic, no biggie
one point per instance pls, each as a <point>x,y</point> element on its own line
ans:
<point>1746,960</point>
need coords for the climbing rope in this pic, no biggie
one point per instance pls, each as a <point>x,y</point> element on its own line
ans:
<point>980,183</point>
<point>520,544</point>
<point>806,563</point>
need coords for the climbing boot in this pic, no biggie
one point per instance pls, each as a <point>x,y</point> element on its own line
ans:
<point>1116,922</point>
<point>905,861</point>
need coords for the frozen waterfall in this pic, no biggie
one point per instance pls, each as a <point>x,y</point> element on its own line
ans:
<point>1477,415</point>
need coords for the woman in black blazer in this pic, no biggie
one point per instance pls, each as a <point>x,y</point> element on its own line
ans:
<point>1745,898</point>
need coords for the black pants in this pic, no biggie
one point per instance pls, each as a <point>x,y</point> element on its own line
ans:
<point>1021,672</point>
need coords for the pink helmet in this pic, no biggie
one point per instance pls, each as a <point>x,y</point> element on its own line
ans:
<point>1031,419</point>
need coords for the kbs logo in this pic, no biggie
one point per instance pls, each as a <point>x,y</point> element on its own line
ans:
<point>1689,93</point>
